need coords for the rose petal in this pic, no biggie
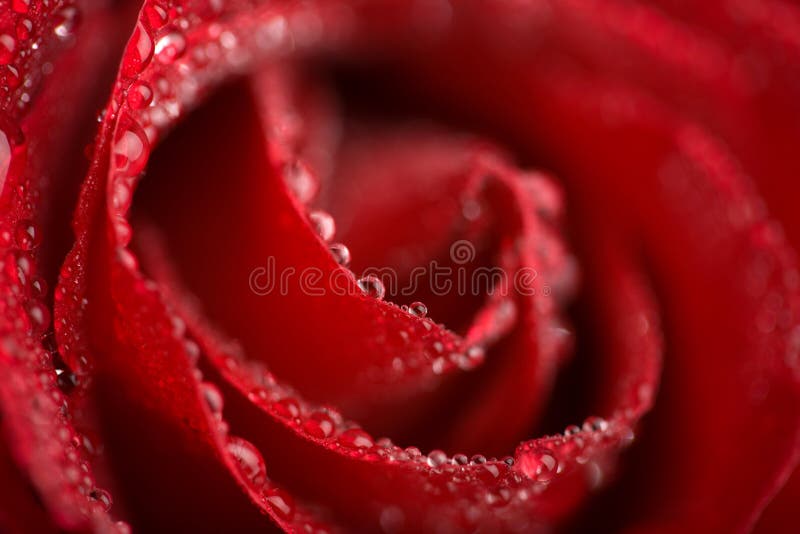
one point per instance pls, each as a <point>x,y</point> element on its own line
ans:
<point>780,511</point>
<point>54,51</point>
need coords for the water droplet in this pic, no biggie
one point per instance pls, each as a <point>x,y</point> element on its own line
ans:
<point>471,209</point>
<point>355,439</point>
<point>498,498</point>
<point>102,497</point>
<point>213,398</point>
<point>595,424</point>
<point>251,464</point>
<point>372,286</point>
<point>287,408</point>
<point>473,357</point>
<point>492,469</point>
<point>571,430</point>
<point>66,21</point>
<point>130,150</point>
<point>418,308</point>
<point>192,350</point>
<point>140,95</point>
<point>545,195</point>
<point>121,194</point>
<point>323,224</point>
<point>540,464</point>
<point>300,181</point>
<point>7,47</point>
<point>341,254</point>
<point>20,6</point>
<point>66,380</point>
<point>281,503</point>
<point>437,458</point>
<point>460,459</point>
<point>39,317</point>
<point>508,460</point>
<point>24,29</point>
<point>39,287</point>
<point>170,47</point>
<point>128,259</point>
<point>139,51</point>
<point>478,459</point>
<point>27,235</point>
<point>413,452</point>
<point>156,15</point>
<point>6,149</point>
<point>319,425</point>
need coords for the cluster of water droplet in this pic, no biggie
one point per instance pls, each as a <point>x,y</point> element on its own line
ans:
<point>329,427</point>
<point>589,447</point>
<point>301,181</point>
<point>41,374</point>
<point>160,80</point>
<point>21,45</point>
<point>299,178</point>
<point>42,377</point>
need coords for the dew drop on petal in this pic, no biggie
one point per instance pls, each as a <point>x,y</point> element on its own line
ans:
<point>460,459</point>
<point>213,398</point>
<point>548,466</point>
<point>7,47</point>
<point>287,408</point>
<point>323,224</point>
<point>39,287</point>
<point>251,464</point>
<point>102,497</point>
<point>5,158</point>
<point>595,424</point>
<point>498,498</point>
<point>39,317</point>
<point>355,439</point>
<point>418,308</point>
<point>128,259</point>
<point>170,47</point>
<point>192,350</point>
<point>540,464</point>
<point>436,458</point>
<point>341,254</point>
<point>66,22</point>
<point>281,503</point>
<point>66,380</point>
<point>139,51</point>
<point>131,150</point>
<point>24,29</point>
<point>471,209</point>
<point>413,452</point>
<point>300,181</point>
<point>24,267</point>
<point>476,355</point>
<point>156,15</point>
<point>27,235</point>
<point>319,425</point>
<point>372,286</point>
<point>140,95</point>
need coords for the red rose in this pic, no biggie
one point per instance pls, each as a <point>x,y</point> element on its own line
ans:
<point>572,189</point>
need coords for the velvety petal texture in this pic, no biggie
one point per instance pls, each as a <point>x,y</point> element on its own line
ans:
<point>399,266</point>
